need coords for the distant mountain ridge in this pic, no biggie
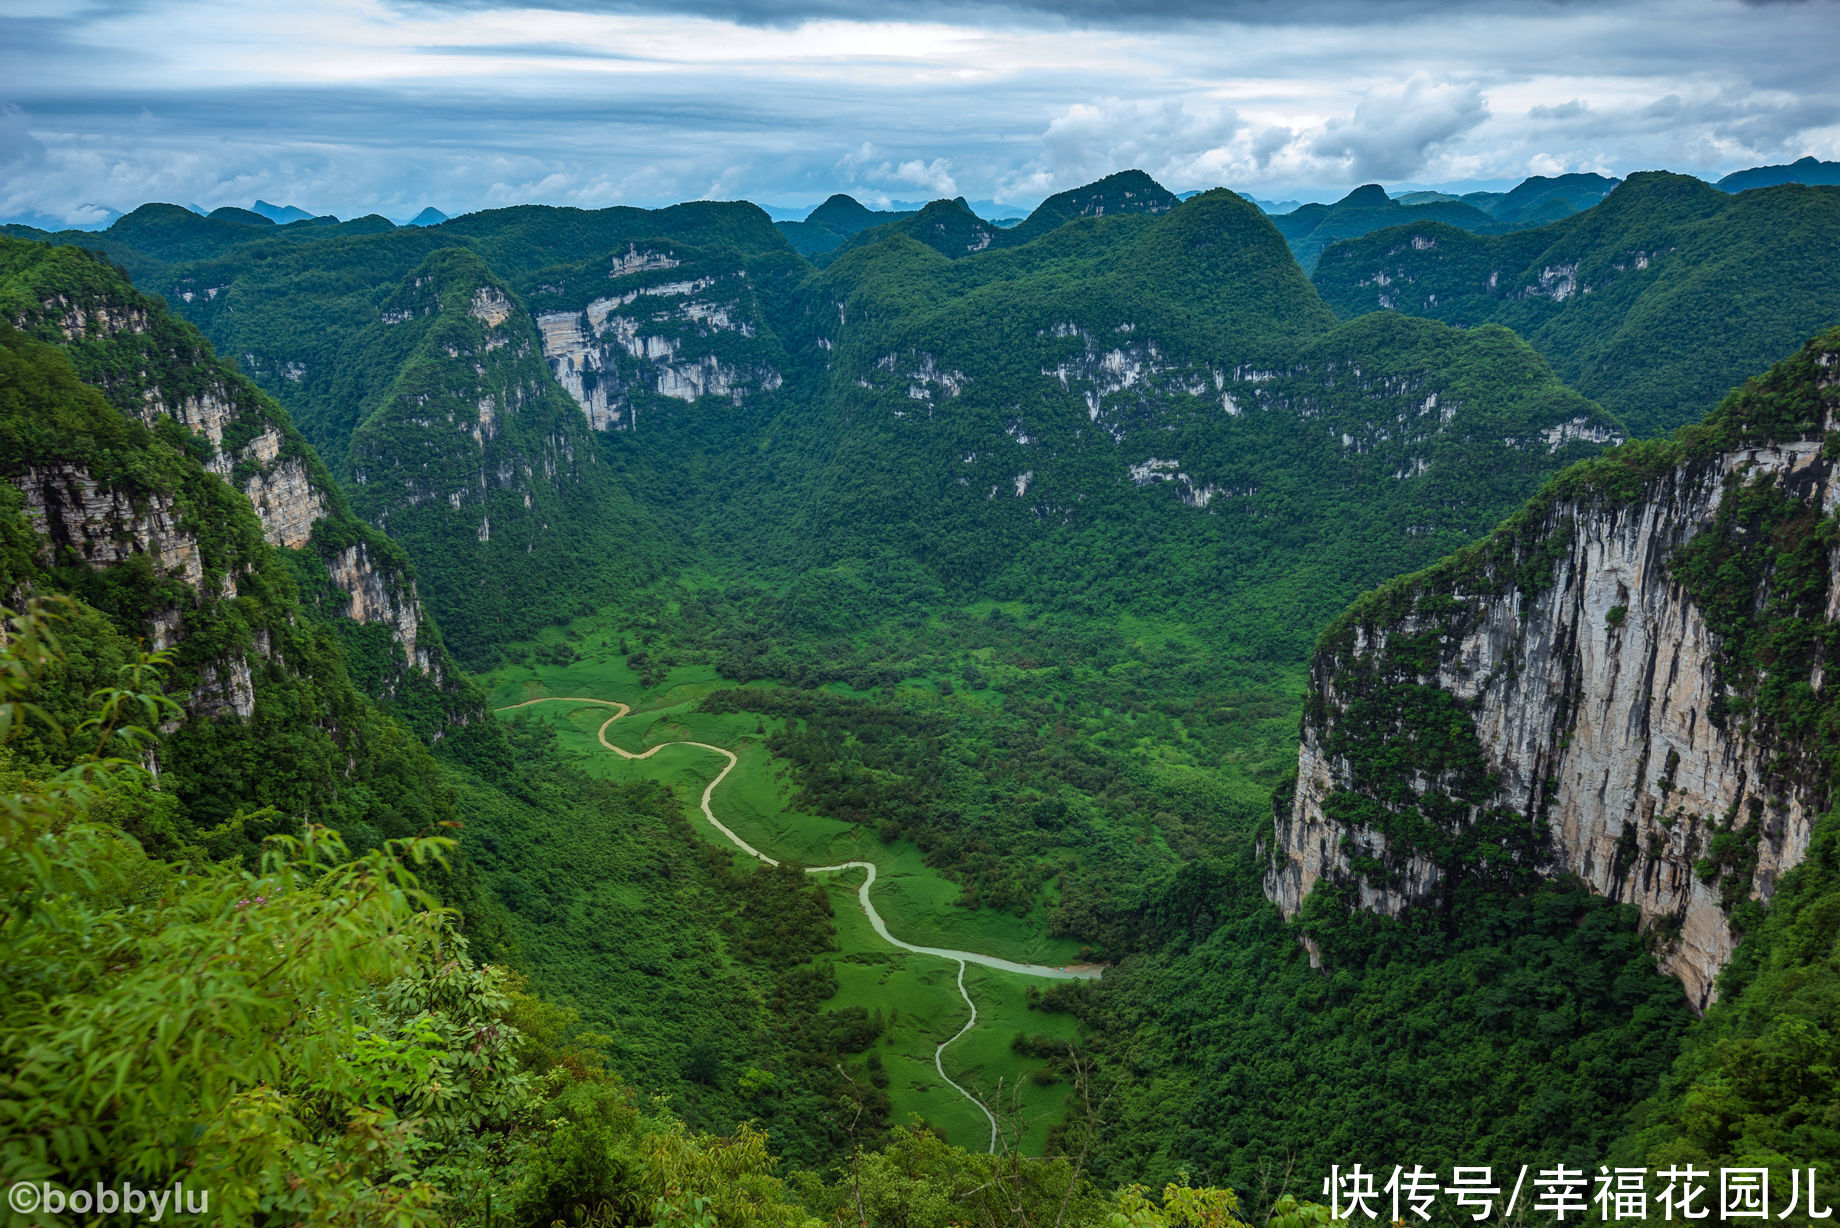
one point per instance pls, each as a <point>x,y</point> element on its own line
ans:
<point>281,214</point>
<point>1809,170</point>
<point>1534,200</point>
<point>1309,229</point>
<point>1654,302</point>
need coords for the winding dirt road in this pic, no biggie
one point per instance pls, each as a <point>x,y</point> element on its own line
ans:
<point>862,893</point>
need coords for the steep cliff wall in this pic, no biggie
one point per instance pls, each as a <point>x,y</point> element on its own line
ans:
<point>660,321</point>
<point>141,545</point>
<point>155,368</point>
<point>1626,683</point>
<point>479,465</point>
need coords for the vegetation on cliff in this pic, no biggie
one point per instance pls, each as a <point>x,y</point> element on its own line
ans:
<point>1655,302</point>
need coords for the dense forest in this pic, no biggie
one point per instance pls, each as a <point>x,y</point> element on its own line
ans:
<point>1656,302</point>
<point>994,559</point>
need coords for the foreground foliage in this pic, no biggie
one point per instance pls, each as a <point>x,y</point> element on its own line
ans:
<point>309,1041</point>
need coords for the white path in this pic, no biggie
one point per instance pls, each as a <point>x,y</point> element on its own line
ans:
<point>862,893</point>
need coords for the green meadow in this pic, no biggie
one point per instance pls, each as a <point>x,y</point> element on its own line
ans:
<point>917,995</point>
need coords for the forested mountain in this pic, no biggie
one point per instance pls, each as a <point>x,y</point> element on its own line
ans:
<point>999,562</point>
<point>1123,193</point>
<point>827,227</point>
<point>1808,170</point>
<point>1655,302</point>
<point>1540,199</point>
<point>154,368</point>
<point>1310,229</point>
<point>1626,686</point>
<point>1140,408</point>
<point>1170,392</point>
<point>475,461</point>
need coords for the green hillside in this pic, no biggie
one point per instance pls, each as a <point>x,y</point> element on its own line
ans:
<point>1655,302</point>
<point>291,713</point>
<point>832,223</point>
<point>1312,229</point>
<point>484,469</point>
<point>1309,229</point>
<point>991,558</point>
<point>1166,420</point>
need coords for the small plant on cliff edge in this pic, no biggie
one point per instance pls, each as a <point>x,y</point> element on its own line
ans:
<point>1616,616</point>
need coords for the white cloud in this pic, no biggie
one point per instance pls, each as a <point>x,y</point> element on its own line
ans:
<point>379,105</point>
<point>1395,128</point>
<point>1090,140</point>
<point>934,176</point>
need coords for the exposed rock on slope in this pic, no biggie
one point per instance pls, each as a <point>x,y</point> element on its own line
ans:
<point>1179,368</point>
<point>120,519</point>
<point>657,327</point>
<point>1630,682</point>
<point>479,465</point>
<point>155,368</point>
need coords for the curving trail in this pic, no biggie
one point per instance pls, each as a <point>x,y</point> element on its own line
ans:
<point>862,893</point>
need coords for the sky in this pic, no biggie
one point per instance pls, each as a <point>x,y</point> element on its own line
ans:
<point>384,106</point>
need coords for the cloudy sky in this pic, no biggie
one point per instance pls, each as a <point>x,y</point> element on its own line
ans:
<point>358,106</point>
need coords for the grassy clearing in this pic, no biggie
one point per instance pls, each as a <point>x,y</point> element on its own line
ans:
<point>917,994</point>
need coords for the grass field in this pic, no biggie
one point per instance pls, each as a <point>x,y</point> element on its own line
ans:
<point>918,994</point>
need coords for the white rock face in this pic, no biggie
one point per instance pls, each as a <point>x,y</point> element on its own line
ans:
<point>1557,437</point>
<point>281,491</point>
<point>689,381</point>
<point>1557,282</point>
<point>103,527</point>
<point>224,691</point>
<point>636,261</point>
<point>1599,721</point>
<point>283,495</point>
<point>491,306</point>
<point>627,345</point>
<point>287,503</point>
<point>77,320</point>
<point>375,600</point>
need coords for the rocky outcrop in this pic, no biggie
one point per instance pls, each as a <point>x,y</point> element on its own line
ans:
<point>383,596</point>
<point>82,521</point>
<point>100,527</point>
<point>155,506</point>
<point>224,690</point>
<point>254,448</point>
<point>1615,717</point>
<point>267,465</point>
<point>685,338</point>
<point>287,503</point>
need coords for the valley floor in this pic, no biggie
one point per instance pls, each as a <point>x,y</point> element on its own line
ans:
<point>952,1011</point>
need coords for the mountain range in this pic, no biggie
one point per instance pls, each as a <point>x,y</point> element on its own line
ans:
<point>1374,637</point>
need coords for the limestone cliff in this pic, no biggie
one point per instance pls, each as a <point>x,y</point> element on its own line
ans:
<point>655,321</point>
<point>479,465</point>
<point>158,369</point>
<point>1624,683</point>
<point>121,527</point>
